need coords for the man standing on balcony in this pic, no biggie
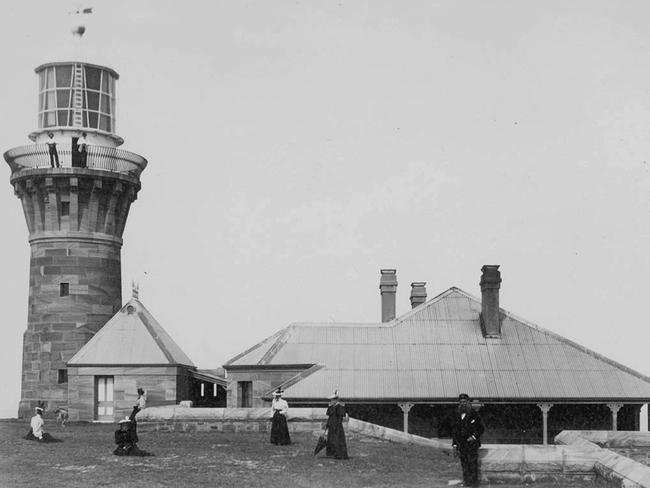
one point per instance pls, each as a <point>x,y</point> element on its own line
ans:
<point>51,146</point>
<point>82,144</point>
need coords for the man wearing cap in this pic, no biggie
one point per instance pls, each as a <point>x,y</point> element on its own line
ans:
<point>279,427</point>
<point>466,439</point>
<point>51,148</point>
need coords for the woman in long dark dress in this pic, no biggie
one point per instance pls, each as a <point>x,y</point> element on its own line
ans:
<point>337,414</point>
<point>126,440</point>
<point>279,427</point>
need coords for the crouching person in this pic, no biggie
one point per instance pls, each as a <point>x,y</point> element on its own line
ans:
<point>37,428</point>
<point>126,440</point>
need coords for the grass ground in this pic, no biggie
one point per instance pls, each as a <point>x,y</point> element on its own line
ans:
<point>201,459</point>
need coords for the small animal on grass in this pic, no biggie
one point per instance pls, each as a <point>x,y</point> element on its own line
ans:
<point>61,416</point>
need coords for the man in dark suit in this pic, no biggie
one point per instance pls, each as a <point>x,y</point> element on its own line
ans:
<point>466,439</point>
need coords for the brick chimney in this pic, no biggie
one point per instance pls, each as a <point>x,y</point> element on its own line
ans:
<point>490,316</point>
<point>388,288</point>
<point>418,293</point>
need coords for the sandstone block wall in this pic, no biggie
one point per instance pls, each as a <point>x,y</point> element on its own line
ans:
<point>75,219</point>
<point>160,384</point>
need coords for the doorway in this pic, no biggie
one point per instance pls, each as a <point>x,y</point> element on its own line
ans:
<point>104,404</point>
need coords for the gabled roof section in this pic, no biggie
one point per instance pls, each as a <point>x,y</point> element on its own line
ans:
<point>436,351</point>
<point>265,352</point>
<point>131,337</point>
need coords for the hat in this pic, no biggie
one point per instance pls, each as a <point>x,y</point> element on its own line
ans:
<point>333,395</point>
<point>140,391</point>
<point>278,392</point>
<point>38,410</point>
<point>463,396</point>
<point>124,420</point>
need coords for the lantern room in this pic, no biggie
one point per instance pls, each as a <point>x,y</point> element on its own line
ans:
<point>76,96</point>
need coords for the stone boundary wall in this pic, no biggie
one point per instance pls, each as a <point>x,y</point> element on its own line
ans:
<point>615,469</point>
<point>611,438</point>
<point>527,463</point>
<point>184,419</point>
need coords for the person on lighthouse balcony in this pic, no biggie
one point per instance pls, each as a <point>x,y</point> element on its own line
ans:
<point>279,427</point>
<point>51,149</point>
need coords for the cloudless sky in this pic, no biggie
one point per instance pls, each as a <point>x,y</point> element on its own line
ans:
<point>297,147</point>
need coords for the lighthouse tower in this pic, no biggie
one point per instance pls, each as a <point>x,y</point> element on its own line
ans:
<point>76,188</point>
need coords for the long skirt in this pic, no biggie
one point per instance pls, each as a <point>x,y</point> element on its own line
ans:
<point>336,445</point>
<point>279,430</point>
<point>46,437</point>
<point>130,450</point>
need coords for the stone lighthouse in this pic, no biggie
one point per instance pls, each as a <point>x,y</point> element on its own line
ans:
<point>76,188</point>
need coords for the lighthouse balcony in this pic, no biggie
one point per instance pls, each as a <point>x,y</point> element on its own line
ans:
<point>38,156</point>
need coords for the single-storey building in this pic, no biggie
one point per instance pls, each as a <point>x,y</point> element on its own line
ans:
<point>133,351</point>
<point>407,371</point>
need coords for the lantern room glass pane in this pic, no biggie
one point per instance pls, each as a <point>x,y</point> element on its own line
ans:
<point>50,119</point>
<point>105,80</point>
<point>63,98</point>
<point>93,100</point>
<point>41,100</point>
<point>63,76</point>
<point>50,101</point>
<point>105,123</point>
<point>63,117</point>
<point>92,78</point>
<point>106,104</point>
<point>92,119</point>
<point>50,77</point>
<point>41,80</point>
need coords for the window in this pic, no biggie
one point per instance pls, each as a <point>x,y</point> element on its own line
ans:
<point>63,376</point>
<point>245,390</point>
<point>64,289</point>
<point>64,89</point>
<point>65,209</point>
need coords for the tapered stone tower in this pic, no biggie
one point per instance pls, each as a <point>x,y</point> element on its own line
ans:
<point>76,201</point>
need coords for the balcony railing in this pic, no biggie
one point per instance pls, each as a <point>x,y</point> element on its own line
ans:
<point>97,157</point>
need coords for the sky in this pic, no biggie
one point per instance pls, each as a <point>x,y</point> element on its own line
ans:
<point>296,148</point>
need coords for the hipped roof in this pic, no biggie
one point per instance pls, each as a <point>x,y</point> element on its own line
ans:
<point>436,351</point>
<point>131,337</point>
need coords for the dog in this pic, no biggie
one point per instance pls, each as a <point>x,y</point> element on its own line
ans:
<point>61,416</point>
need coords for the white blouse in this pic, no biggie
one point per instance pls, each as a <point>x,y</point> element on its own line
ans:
<point>281,405</point>
<point>37,424</point>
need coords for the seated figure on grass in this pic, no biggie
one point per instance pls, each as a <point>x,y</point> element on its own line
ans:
<point>37,428</point>
<point>126,440</point>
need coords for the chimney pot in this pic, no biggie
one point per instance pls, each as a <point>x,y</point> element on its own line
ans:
<point>388,288</point>
<point>418,293</point>
<point>490,314</point>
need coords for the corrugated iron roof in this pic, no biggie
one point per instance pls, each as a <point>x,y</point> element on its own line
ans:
<point>436,351</point>
<point>132,336</point>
